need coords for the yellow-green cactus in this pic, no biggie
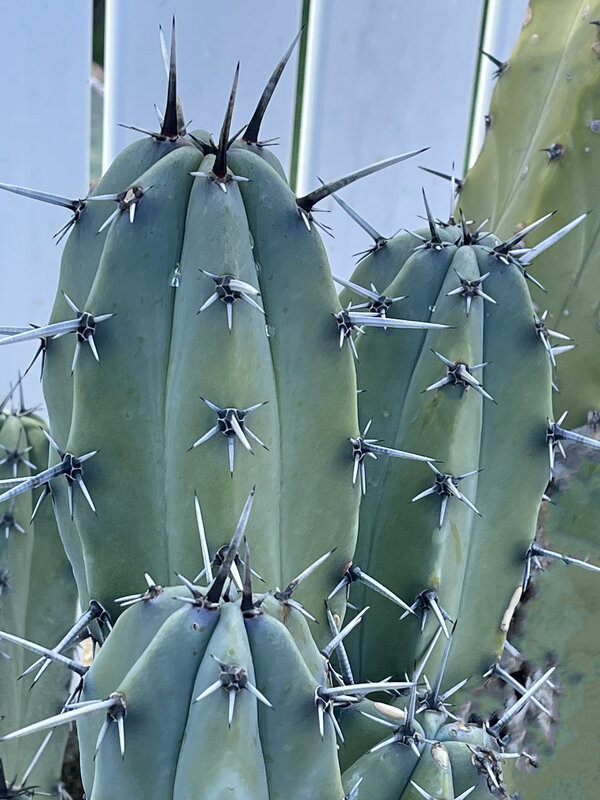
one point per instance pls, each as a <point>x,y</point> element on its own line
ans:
<point>542,153</point>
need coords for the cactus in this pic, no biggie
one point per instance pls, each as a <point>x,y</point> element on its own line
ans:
<point>209,352</point>
<point>540,154</point>
<point>37,600</point>
<point>239,677</point>
<point>554,624</point>
<point>441,398</point>
<point>184,387</point>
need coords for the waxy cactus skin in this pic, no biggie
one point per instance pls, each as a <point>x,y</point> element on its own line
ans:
<point>423,405</point>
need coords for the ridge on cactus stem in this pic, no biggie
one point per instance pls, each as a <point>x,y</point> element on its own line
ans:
<point>545,165</point>
<point>448,248</point>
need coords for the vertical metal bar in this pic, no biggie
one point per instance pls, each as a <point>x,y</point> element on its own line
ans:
<point>501,24</point>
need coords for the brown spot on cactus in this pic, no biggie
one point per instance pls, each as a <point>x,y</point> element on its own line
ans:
<point>440,755</point>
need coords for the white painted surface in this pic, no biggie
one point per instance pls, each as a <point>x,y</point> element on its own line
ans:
<point>389,77</point>
<point>45,49</point>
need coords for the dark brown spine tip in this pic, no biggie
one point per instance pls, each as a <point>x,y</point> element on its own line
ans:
<point>501,66</point>
<point>170,126</point>
<point>457,181</point>
<point>220,165</point>
<point>236,135</point>
<point>215,591</point>
<point>305,203</point>
<point>464,227</point>
<point>430,220</point>
<point>253,129</point>
<point>493,59</point>
<point>309,201</point>
<point>216,588</point>
<point>206,147</point>
<point>247,604</point>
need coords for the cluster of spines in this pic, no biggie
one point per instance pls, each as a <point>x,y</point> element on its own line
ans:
<point>166,147</point>
<point>213,618</point>
<point>439,240</point>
